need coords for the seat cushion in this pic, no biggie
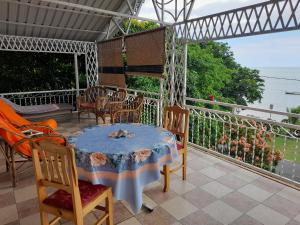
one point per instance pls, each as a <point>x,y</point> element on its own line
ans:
<point>87,105</point>
<point>179,145</point>
<point>63,200</point>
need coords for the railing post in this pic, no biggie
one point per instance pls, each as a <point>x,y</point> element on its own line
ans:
<point>76,74</point>
<point>161,101</point>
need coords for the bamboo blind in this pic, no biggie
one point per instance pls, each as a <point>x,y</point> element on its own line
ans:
<point>145,53</point>
<point>111,63</point>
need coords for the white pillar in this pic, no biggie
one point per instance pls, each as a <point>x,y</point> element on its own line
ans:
<point>76,74</point>
<point>185,75</point>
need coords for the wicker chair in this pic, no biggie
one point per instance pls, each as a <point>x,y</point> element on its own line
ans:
<point>73,198</point>
<point>176,120</point>
<point>130,113</point>
<point>113,104</point>
<point>92,98</point>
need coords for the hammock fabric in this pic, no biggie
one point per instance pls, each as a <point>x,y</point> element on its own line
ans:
<point>15,138</point>
<point>9,114</point>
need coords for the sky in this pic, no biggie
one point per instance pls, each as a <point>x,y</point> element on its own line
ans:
<point>269,50</point>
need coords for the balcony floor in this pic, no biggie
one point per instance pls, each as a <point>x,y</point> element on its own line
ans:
<point>216,192</point>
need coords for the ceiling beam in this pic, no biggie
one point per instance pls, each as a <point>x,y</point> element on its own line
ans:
<point>102,11</point>
<point>50,27</point>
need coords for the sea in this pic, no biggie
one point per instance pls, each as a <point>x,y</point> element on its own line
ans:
<point>278,81</point>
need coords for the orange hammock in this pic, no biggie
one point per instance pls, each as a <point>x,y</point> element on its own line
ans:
<point>9,114</point>
<point>20,142</point>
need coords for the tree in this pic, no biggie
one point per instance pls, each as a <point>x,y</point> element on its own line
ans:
<point>212,70</point>
<point>24,71</point>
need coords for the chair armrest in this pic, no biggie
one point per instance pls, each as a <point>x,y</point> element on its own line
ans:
<point>44,128</point>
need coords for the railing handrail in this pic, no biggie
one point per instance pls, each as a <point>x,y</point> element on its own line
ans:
<point>39,92</point>
<point>133,90</point>
<point>287,125</point>
<point>295,115</point>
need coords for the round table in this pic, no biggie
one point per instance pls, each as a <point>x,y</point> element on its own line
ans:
<point>126,164</point>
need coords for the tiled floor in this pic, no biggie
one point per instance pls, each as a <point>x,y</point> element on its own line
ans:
<point>215,192</point>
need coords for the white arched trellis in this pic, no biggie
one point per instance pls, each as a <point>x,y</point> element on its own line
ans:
<point>33,44</point>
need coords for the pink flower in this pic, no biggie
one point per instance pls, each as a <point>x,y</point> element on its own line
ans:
<point>142,155</point>
<point>98,159</point>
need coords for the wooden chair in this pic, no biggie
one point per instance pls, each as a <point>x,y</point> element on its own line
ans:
<point>176,120</point>
<point>92,98</point>
<point>114,103</point>
<point>74,198</point>
<point>130,113</point>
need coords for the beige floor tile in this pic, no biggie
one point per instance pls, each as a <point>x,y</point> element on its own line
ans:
<point>297,218</point>
<point>200,218</point>
<point>179,207</point>
<point>222,212</point>
<point>199,198</point>
<point>8,214</point>
<point>189,170</point>
<point>255,192</point>
<point>246,220</point>
<point>131,221</point>
<point>290,194</point>
<point>156,194</point>
<point>181,187</point>
<point>232,181</point>
<point>267,216</point>
<point>216,189</point>
<point>159,216</point>
<point>212,172</point>
<point>283,205</point>
<point>25,193</point>
<point>149,202</point>
<point>32,220</point>
<point>246,175</point>
<point>240,201</point>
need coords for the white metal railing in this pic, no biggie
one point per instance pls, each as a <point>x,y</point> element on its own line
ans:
<point>269,145</point>
<point>150,115</point>
<point>67,96</point>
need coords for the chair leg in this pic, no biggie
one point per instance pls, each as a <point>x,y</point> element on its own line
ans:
<point>6,151</point>
<point>13,167</point>
<point>109,208</point>
<point>166,171</point>
<point>44,218</point>
<point>78,114</point>
<point>184,162</point>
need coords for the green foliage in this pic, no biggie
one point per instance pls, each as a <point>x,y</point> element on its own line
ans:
<point>22,71</point>
<point>213,68</point>
<point>294,120</point>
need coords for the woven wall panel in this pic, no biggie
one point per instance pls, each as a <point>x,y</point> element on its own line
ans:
<point>111,63</point>
<point>110,79</point>
<point>144,50</point>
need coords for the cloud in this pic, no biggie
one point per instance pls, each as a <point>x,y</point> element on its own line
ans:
<point>279,49</point>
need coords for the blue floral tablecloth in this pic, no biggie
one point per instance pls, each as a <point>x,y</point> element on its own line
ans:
<point>126,164</point>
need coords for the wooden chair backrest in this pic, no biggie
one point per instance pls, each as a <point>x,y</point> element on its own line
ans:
<point>126,116</point>
<point>55,166</point>
<point>176,120</point>
<point>92,93</point>
<point>119,95</point>
<point>137,103</point>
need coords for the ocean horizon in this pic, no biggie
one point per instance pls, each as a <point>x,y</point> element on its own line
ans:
<point>278,81</point>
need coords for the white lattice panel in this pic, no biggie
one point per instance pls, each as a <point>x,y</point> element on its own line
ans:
<point>262,18</point>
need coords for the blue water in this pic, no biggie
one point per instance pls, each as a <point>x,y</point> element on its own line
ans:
<point>275,89</point>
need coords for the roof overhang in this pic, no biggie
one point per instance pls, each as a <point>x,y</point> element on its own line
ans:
<point>82,20</point>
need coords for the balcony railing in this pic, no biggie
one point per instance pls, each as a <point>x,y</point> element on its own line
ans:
<point>151,112</point>
<point>273,147</point>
